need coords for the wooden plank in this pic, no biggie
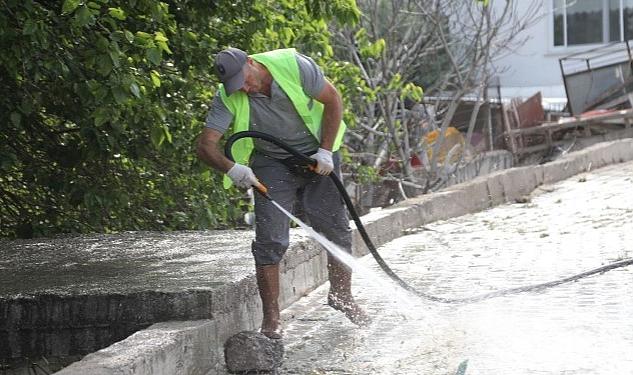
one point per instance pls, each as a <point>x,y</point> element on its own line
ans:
<point>549,128</point>
<point>554,126</point>
<point>506,122</point>
<point>517,121</point>
<point>530,112</point>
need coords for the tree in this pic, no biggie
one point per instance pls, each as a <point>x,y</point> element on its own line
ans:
<point>101,101</point>
<point>444,46</point>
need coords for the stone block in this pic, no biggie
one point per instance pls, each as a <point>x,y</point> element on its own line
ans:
<point>250,351</point>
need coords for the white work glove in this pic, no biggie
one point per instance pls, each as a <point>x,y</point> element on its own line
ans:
<point>325,165</point>
<point>242,176</point>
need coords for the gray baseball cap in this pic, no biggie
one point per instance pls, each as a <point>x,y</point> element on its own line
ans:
<point>229,66</point>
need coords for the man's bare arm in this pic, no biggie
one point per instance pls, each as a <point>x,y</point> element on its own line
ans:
<point>332,114</point>
<point>208,150</point>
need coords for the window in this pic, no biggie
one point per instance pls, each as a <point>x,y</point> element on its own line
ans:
<point>579,22</point>
<point>621,20</point>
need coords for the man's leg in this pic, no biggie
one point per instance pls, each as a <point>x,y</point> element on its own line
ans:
<point>271,236</point>
<point>340,296</point>
<point>268,285</point>
<point>328,215</point>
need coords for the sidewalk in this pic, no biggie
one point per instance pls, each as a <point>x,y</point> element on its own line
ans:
<point>583,327</point>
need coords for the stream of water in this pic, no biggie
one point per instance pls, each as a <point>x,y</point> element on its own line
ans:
<point>405,300</point>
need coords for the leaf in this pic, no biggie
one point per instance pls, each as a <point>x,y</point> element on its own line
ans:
<point>412,91</point>
<point>104,65</point>
<point>114,56</point>
<point>154,55</point>
<point>160,37</point>
<point>69,6</point>
<point>117,13</point>
<point>143,36</point>
<point>329,50</point>
<point>158,136</point>
<point>102,43</point>
<point>129,36</point>
<point>100,119</point>
<point>155,78</point>
<point>16,118</point>
<point>7,160</point>
<point>163,46</point>
<point>167,133</point>
<point>379,46</point>
<point>361,34</point>
<point>101,115</point>
<point>119,95</point>
<point>83,16</point>
<point>29,27</point>
<point>373,49</point>
<point>161,41</point>
<point>101,93</point>
<point>135,90</point>
<point>27,105</point>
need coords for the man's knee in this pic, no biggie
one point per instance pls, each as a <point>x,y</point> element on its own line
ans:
<point>266,254</point>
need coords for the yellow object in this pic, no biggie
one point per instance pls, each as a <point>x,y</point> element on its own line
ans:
<point>451,138</point>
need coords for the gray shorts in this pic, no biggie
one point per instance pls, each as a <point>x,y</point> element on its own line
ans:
<point>313,198</point>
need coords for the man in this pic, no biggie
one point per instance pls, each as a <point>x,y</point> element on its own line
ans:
<point>284,94</point>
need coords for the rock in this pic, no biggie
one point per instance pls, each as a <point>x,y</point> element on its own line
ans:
<point>524,199</point>
<point>250,351</point>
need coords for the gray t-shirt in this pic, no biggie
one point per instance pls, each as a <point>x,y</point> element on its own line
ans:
<point>275,115</point>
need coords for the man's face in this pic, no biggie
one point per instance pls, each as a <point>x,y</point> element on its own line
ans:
<point>252,79</point>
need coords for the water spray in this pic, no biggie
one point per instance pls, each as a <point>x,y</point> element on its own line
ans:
<point>261,189</point>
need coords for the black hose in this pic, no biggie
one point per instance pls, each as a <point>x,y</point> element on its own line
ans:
<point>374,252</point>
<point>339,185</point>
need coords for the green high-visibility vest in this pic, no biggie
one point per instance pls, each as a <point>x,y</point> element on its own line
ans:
<point>282,65</point>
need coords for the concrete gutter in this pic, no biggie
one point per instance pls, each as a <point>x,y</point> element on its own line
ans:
<point>195,347</point>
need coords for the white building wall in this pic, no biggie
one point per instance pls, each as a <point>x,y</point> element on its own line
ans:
<point>534,66</point>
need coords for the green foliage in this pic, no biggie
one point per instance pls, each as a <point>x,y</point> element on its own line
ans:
<point>369,49</point>
<point>366,174</point>
<point>360,173</point>
<point>411,91</point>
<point>347,79</point>
<point>344,11</point>
<point>101,102</point>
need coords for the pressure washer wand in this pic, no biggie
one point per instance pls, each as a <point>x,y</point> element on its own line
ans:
<point>263,190</point>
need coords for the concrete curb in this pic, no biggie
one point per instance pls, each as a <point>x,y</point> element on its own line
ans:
<point>195,347</point>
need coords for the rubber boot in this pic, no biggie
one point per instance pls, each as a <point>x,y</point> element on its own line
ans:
<point>268,285</point>
<point>340,296</point>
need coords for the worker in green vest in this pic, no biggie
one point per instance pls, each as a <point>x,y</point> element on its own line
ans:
<point>284,94</point>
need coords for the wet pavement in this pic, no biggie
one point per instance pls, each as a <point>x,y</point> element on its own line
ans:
<point>128,262</point>
<point>584,327</point>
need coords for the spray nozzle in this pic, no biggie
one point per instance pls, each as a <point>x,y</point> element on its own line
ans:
<point>263,190</point>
